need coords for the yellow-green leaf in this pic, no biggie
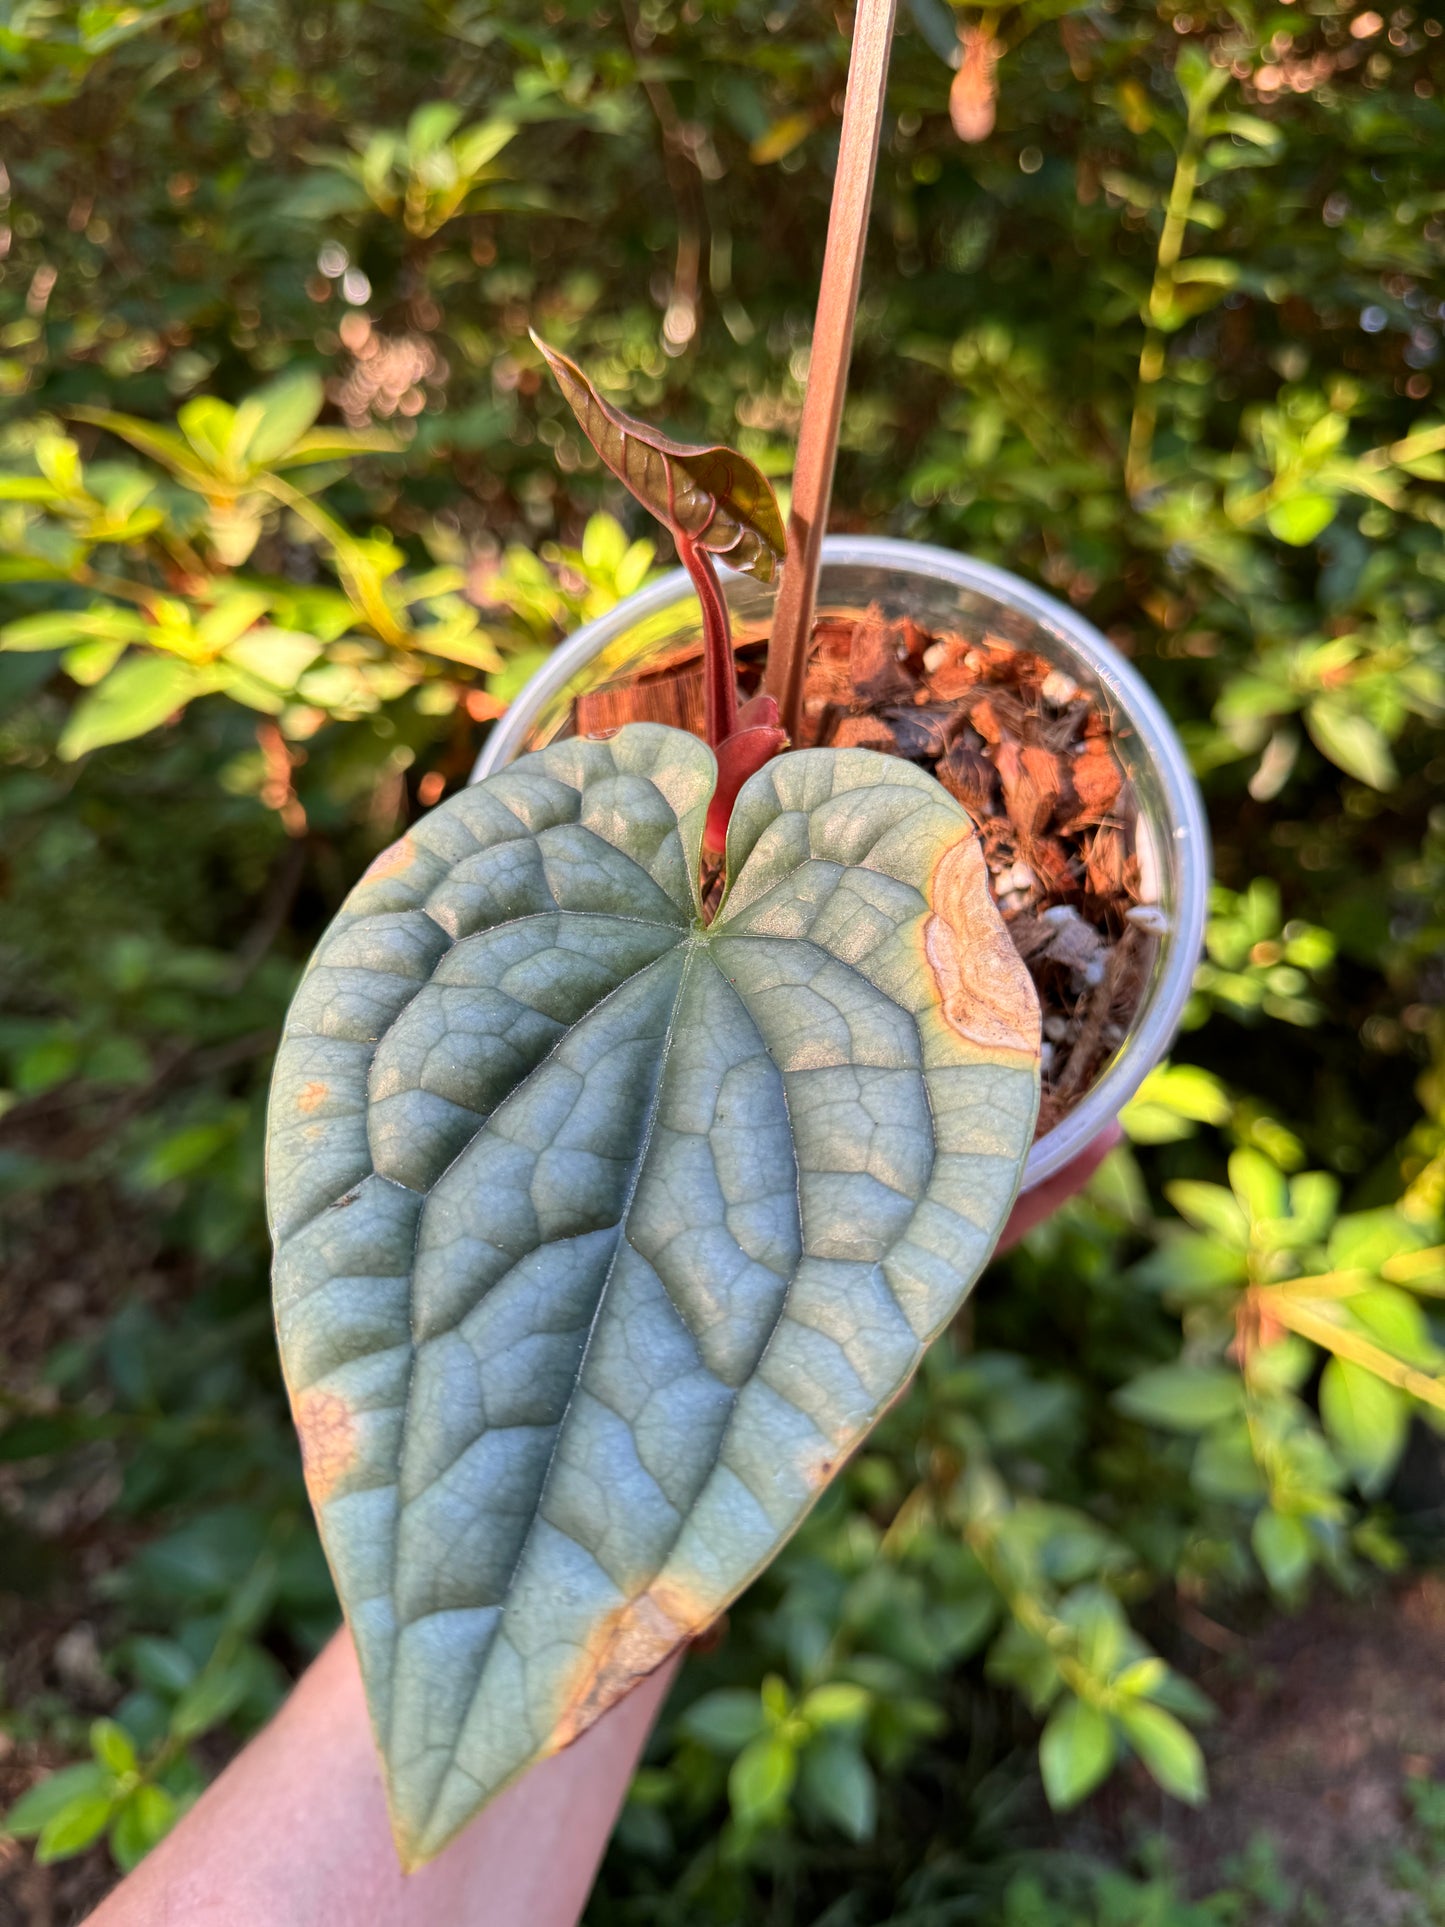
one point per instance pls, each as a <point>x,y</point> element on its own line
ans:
<point>1300,518</point>
<point>1076,1751</point>
<point>136,696</point>
<point>1167,1748</point>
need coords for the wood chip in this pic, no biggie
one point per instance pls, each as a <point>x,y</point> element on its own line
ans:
<point>864,732</point>
<point>1104,863</point>
<point>922,734</point>
<point>875,662</point>
<point>1097,779</point>
<point>966,773</point>
<point>958,670</point>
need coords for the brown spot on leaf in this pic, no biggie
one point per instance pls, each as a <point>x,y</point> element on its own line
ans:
<point>393,861</point>
<point>311,1095</point>
<point>984,986</point>
<point>627,1645</point>
<point>327,1428</point>
<point>712,1636</point>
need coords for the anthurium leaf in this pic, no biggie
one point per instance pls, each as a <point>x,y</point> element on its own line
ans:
<point>713,494</point>
<point>603,1236</point>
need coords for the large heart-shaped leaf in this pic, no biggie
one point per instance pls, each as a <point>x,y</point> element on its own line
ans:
<point>603,1235</point>
<point>711,493</point>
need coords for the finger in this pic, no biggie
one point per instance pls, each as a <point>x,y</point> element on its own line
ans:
<point>1044,1199</point>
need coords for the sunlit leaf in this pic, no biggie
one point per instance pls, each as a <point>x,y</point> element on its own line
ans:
<point>1365,1418</point>
<point>141,692</point>
<point>48,1798</point>
<point>163,444</point>
<point>1168,1749</point>
<point>1300,518</point>
<point>781,138</point>
<point>269,424</point>
<point>145,1817</point>
<point>1077,1749</point>
<point>1352,741</point>
<point>762,1778</point>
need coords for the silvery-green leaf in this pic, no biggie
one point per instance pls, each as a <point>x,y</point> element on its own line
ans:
<point>603,1236</point>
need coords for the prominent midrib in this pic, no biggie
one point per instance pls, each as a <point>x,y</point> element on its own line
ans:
<point>690,946</point>
<point>695,944</point>
<point>691,942</point>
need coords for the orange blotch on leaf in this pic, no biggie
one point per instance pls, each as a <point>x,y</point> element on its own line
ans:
<point>626,1646</point>
<point>327,1428</point>
<point>391,862</point>
<point>984,988</point>
<point>311,1095</point>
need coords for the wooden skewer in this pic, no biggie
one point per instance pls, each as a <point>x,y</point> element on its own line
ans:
<point>832,350</point>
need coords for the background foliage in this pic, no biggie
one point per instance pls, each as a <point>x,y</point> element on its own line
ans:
<point>286,516</point>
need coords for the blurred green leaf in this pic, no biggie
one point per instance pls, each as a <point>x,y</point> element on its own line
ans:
<point>81,1821</point>
<point>724,1721</point>
<point>761,1779</point>
<point>1168,1749</point>
<point>51,1798</point>
<point>1352,741</point>
<point>1366,1419</point>
<point>1077,1750</point>
<point>1300,518</point>
<point>838,1782</point>
<point>144,1818</point>
<point>137,695</point>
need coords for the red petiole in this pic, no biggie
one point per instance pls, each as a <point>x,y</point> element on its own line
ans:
<point>720,687</point>
<point>742,740</point>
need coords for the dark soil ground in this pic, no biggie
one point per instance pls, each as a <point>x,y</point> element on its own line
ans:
<point>1325,1717</point>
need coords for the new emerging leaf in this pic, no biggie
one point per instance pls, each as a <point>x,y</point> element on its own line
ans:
<point>603,1235</point>
<point>712,494</point>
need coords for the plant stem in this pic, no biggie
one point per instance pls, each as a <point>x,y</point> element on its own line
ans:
<point>832,349</point>
<point>1151,358</point>
<point>719,679</point>
<point>140,593</point>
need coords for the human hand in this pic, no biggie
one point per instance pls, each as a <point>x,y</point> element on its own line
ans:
<point>295,1833</point>
<point>1044,1199</point>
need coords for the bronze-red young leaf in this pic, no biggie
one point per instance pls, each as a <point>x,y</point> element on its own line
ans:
<point>711,493</point>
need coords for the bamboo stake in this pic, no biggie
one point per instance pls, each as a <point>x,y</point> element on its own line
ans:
<point>832,349</point>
